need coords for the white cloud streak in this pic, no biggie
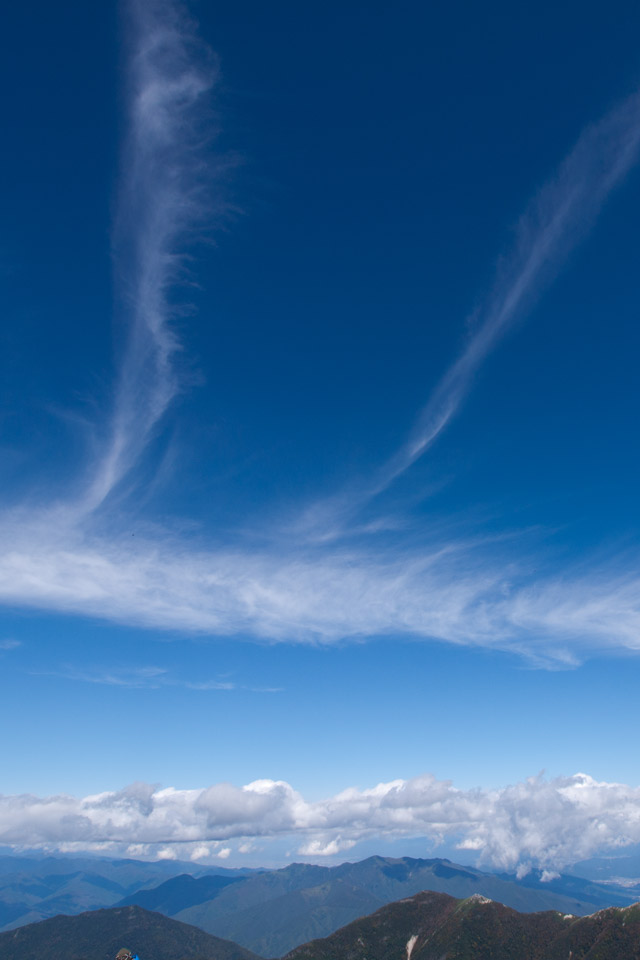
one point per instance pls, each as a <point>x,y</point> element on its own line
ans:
<point>10,644</point>
<point>148,678</point>
<point>458,592</point>
<point>549,230</point>
<point>544,823</point>
<point>454,592</point>
<point>557,219</point>
<point>162,201</point>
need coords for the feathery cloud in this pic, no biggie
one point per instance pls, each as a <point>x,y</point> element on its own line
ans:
<point>10,644</point>
<point>163,200</point>
<point>454,591</point>
<point>147,677</point>
<point>551,227</point>
<point>458,592</point>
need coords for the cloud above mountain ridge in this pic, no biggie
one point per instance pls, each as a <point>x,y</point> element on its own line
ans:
<point>535,823</point>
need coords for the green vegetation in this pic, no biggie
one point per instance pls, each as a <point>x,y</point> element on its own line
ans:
<point>99,934</point>
<point>425,926</point>
<point>433,926</point>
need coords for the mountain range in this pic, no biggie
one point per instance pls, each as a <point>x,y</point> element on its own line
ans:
<point>272,912</point>
<point>35,888</point>
<point>427,926</point>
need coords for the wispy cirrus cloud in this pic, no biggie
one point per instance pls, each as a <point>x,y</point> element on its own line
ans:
<point>538,822</point>
<point>59,559</point>
<point>149,678</point>
<point>459,592</point>
<point>134,677</point>
<point>551,227</point>
<point>166,194</point>
<point>558,218</point>
<point>9,644</point>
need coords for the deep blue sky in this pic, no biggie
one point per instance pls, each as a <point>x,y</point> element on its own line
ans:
<point>353,184</point>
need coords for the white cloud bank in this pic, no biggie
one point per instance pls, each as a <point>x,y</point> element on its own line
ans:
<point>543,823</point>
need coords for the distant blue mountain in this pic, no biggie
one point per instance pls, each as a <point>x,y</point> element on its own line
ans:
<point>607,869</point>
<point>179,893</point>
<point>33,889</point>
<point>272,911</point>
<point>585,891</point>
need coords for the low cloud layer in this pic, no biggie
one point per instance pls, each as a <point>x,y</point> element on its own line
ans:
<point>544,823</point>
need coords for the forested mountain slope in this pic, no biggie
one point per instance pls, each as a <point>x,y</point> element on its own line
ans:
<point>434,926</point>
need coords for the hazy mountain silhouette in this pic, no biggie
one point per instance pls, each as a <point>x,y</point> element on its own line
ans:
<point>179,893</point>
<point>35,888</point>
<point>427,926</point>
<point>273,912</point>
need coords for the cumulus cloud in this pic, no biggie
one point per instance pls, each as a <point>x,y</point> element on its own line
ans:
<point>318,848</point>
<point>166,853</point>
<point>543,823</point>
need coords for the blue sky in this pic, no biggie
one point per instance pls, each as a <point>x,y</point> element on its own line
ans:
<point>319,406</point>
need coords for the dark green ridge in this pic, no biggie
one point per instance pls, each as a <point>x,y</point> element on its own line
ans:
<point>99,934</point>
<point>427,926</point>
<point>434,926</point>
